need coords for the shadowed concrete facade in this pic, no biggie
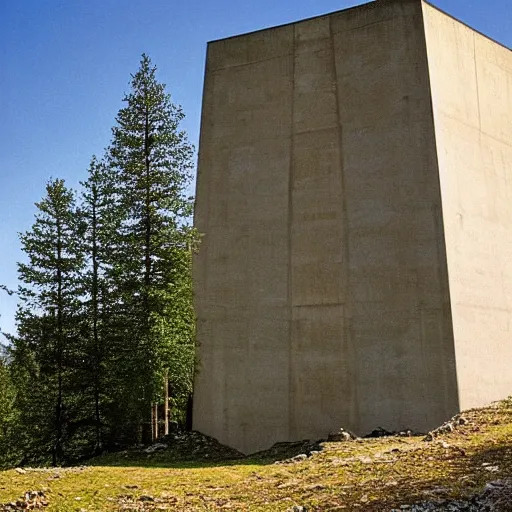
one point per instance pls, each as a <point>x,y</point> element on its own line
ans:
<point>334,169</point>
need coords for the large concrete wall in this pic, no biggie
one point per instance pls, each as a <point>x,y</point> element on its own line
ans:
<point>321,283</point>
<point>471,80</point>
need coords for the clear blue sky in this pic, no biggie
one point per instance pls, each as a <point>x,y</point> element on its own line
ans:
<point>65,65</point>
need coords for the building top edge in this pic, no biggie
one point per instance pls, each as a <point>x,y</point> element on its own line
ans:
<point>371,4</point>
<point>367,5</point>
<point>499,43</point>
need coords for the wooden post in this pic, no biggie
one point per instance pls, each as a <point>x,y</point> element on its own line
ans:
<point>152,424</point>
<point>156,421</point>
<point>166,402</point>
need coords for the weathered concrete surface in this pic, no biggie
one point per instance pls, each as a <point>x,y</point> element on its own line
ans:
<point>471,79</point>
<point>322,289</point>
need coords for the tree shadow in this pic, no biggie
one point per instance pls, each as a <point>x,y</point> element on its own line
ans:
<point>176,459</point>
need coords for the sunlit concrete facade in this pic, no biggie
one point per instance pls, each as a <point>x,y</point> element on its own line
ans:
<point>355,198</point>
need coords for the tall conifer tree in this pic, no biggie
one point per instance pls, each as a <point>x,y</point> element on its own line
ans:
<point>47,348</point>
<point>98,208</point>
<point>153,161</point>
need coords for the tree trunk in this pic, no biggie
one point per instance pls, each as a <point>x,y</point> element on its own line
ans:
<point>155,414</point>
<point>152,423</point>
<point>190,408</point>
<point>166,402</point>
<point>95,308</point>
<point>147,220</point>
<point>60,349</point>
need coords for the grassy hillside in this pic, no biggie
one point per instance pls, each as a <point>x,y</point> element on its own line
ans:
<point>375,474</point>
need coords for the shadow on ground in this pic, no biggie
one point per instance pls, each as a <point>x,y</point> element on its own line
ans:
<point>195,450</point>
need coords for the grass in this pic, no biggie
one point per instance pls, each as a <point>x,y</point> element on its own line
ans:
<point>367,475</point>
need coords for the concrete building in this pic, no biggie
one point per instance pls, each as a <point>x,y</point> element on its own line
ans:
<point>355,195</point>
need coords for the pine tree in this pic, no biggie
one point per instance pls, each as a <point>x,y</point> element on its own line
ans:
<point>99,214</point>
<point>152,159</point>
<point>46,352</point>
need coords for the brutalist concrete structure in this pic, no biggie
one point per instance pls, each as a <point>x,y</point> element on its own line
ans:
<point>355,195</point>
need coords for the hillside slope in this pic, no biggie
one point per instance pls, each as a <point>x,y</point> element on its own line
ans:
<point>456,462</point>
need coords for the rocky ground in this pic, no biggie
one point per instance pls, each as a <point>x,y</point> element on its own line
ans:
<point>497,495</point>
<point>183,446</point>
<point>464,465</point>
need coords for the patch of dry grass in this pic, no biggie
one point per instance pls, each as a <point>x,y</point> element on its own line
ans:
<point>370,475</point>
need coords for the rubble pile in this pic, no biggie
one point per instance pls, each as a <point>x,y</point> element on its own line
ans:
<point>289,452</point>
<point>184,446</point>
<point>447,427</point>
<point>341,435</point>
<point>31,500</point>
<point>131,503</point>
<point>197,446</point>
<point>382,432</point>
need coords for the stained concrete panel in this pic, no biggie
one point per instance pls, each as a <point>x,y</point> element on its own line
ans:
<point>242,316</point>
<point>396,265</point>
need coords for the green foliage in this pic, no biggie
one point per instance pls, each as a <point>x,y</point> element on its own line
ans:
<point>8,413</point>
<point>105,300</point>
<point>6,396</point>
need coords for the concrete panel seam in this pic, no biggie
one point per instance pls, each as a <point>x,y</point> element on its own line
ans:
<point>316,130</point>
<point>291,395</point>
<point>249,63</point>
<point>484,132</point>
<point>320,305</point>
<point>476,84</point>
<point>367,25</point>
<point>347,320</point>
